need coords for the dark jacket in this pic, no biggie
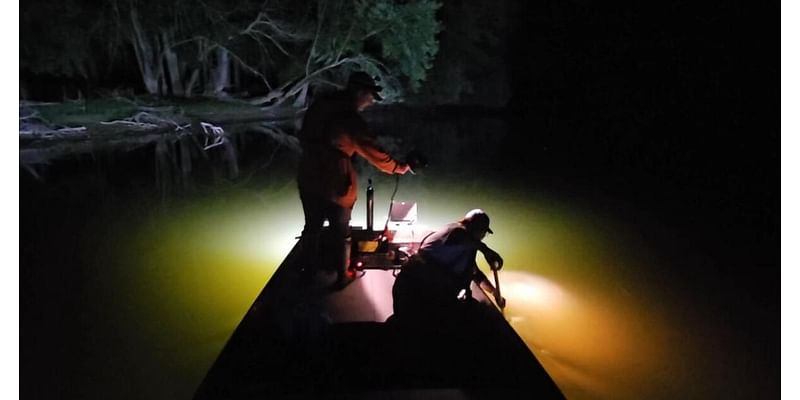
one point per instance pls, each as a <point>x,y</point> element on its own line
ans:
<point>453,250</point>
<point>332,133</point>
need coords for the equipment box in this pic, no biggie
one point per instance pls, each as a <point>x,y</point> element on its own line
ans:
<point>374,250</point>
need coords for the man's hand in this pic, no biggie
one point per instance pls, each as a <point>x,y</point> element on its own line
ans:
<point>501,301</point>
<point>402,169</point>
<point>494,259</point>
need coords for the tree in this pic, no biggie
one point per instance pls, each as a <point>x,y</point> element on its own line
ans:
<point>391,40</point>
<point>183,44</point>
<point>471,65</point>
<point>63,38</point>
<point>185,47</point>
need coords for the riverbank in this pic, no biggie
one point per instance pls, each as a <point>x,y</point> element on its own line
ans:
<point>49,131</point>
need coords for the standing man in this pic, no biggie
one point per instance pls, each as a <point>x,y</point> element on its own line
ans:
<point>333,132</point>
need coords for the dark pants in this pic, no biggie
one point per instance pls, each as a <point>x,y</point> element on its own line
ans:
<point>316,210</point>
<point>424,291</point>
<point>433,321</point>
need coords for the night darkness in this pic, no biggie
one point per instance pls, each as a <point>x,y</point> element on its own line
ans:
<point>661,116</point>
<point>674,105</point>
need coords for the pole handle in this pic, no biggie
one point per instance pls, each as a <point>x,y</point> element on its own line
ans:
<point>498,296</point>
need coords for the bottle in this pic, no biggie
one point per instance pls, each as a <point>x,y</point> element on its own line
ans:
<point>370,205</point>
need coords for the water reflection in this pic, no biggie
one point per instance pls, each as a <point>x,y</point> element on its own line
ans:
<point>208,262</point>
<point>163,289</point>
<point>567,298</point>
<point>196,272</point>
<point>586,346</point>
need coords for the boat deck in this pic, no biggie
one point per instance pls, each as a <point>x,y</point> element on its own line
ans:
<point>309,341</point>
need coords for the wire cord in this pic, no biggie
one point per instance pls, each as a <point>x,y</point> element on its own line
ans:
<point>391,201</point>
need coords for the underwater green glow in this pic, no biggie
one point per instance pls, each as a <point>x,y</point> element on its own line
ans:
<point>570,297</point>
<point>190,274</point>
<point>577,285</point>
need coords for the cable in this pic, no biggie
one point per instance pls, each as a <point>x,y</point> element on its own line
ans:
<point>391,202</point>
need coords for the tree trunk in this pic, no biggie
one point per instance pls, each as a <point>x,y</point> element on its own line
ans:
<point>237,76</point>
<point>173,68</point>
<point>221,74</point>
<point>302,97</point>
<point>192,82</point>
<point>197,69</point>
<point>300,87</point>
<point>146,56</point>
<point>162,84</point>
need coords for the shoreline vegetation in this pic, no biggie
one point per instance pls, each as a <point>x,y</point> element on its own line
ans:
<point>195,63</point>
<point>120,116</point>
<point>50,130</point>
<point>189,77</point>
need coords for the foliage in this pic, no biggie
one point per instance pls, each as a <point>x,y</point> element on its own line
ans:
<point>61,38</point>
<point>287,45</point>
<point>407,34</point>
<point>469,67</point>
<point>395,41</point>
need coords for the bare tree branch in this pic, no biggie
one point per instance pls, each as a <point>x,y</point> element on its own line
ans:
<point>244,64</point>
<point>282,94</point>
<point>320,18</point>
<point>346,39</point>
<point>215,133</point>
<point>263,20</point>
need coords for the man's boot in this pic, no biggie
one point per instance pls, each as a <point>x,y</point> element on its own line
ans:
<point>344,274</point>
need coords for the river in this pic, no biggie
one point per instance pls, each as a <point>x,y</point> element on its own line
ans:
<point>622,286</point>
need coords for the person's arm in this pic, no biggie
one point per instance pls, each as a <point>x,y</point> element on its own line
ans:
<point>495,263</point>
<point>367,148</point>
<point>491,256</point>
<point>358,139</point>
<point>483,282</point>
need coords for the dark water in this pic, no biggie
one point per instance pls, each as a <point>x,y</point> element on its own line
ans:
<point>626,283</point>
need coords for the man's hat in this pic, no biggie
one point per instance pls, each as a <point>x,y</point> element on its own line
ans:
<point>478,217</point>
<point>361,80</point>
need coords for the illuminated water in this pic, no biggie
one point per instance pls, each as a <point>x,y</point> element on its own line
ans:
<point>152,290</point>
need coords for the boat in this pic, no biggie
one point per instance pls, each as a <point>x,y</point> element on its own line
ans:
<point>309,341</point>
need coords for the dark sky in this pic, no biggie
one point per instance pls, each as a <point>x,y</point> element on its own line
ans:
<point>692,84</point>
<point>683,93</point>
<point>684,57</point>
